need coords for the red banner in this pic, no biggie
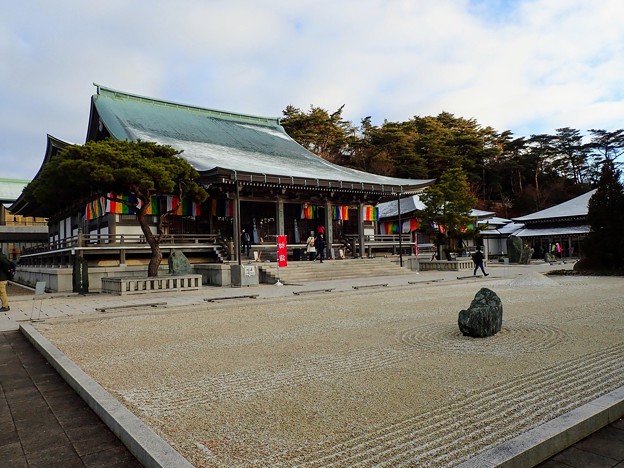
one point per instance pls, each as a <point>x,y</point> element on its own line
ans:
<point>282,251</point>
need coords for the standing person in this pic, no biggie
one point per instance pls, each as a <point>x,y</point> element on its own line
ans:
<point>319,243</point>
<point>310,247</point>
<point>246,241</point>
<point>477,258</point>
<point>5,266</point>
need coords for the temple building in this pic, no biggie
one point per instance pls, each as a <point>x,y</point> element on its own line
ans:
<point>559,229</point>
<point>258,179</point>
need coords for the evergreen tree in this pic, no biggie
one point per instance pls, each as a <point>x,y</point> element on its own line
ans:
<point>448,204</point>
<point>326,135</point>
<point>604,247</point>
<point>79,174</point>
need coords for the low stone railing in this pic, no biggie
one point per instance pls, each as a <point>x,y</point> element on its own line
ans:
<point>144,285</point>
<point>446,265</point>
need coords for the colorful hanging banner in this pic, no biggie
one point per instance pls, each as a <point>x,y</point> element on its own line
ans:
<point>282,251</point>
<point>389,227</point>
<point>370,213</point>
<point>121,204</point>
<point>466,228</point>
<point>118,207</point>
<point>340,212</point>
<point>392,227</point>
<point>308,211</point>
<point>222,208</point>
<point>184,208</point>
<point>412,225</point>
<point>189,208</point>
<point>95,209</point>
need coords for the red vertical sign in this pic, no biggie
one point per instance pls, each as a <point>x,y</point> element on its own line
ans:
<point>282,251</point>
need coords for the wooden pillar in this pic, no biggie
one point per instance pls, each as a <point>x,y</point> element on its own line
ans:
<point>361,228</point>
<point>236,224</point>
<point>208,208</point>
<point>279,217</point>
<point>329,227</point>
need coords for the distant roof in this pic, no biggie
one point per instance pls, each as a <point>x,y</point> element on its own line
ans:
<point>553,231</point>
<point>216,141</point>
<point>572,208</point>
<point>510,228</point>
<point>20,206</point>
<point>412,203</point>
<point>11,189</point>
<point>409,204</point>
<point>481,214</point>
<point>494,221</point>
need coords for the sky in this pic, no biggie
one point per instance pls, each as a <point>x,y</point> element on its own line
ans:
<point>528,66</point>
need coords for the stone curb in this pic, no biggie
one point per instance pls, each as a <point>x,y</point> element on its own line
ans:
<point>545,441</point>
<point>147,446</point>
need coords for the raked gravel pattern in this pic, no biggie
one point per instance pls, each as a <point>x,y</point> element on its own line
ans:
<point>373,378</point>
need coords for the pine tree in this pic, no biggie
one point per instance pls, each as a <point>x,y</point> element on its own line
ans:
<point>604,247</point>
<point>143,169</point>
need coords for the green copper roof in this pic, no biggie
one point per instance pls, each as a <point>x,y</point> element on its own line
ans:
<point>11,189</point>
<point>213,139</point>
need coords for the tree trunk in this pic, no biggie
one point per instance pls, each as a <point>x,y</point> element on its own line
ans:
<point>154,243</point>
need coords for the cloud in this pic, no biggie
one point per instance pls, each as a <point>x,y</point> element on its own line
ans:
<point>529,66</point>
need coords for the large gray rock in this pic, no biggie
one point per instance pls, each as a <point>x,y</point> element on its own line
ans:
<point>514,248</point>
<point>484,317</point>
<point>179,264</point>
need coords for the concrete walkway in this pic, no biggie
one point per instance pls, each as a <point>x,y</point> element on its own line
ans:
<point>43,422</point>
<point>603,448</point>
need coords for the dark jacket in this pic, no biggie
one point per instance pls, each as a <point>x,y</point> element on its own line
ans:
<point>478,257</point>
<point>5,264</point>
<point>319,243</point>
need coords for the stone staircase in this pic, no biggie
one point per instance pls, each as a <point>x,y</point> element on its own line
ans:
<point>301,272</point>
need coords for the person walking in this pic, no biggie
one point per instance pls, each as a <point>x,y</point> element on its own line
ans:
<point>319,243</point>
<point>310,247</point>
<point>246,242</point>
<point>5,266</point>
<point>477,258</point>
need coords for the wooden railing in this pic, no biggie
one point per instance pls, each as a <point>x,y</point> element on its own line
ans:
<point>371,243</point>
<point>387,242</point>
<point>99,240</point>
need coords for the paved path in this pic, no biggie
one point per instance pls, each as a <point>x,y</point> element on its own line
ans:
<point>603,448</point>
<point>43,422</point>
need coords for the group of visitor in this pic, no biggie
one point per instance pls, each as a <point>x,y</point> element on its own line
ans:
<point>315,245</point>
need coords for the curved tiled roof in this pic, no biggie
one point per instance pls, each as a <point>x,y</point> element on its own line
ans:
<point>570,209</point>
<point>215,140</point>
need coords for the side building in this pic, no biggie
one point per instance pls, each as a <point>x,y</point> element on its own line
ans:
<point>564,225</point>
<point>17,232</point>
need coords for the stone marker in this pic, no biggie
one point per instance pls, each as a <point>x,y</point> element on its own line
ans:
<point>526,255</point>
<point>484,317</point>
<point>179,264</point>
<point>514,248</point>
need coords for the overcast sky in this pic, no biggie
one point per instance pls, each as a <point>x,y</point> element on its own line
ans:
<point>529,66</point>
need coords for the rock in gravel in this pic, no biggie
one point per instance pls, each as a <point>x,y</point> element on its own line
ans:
<point>484,317</point>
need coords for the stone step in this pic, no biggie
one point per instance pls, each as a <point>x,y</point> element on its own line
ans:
<point>306,271</point>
